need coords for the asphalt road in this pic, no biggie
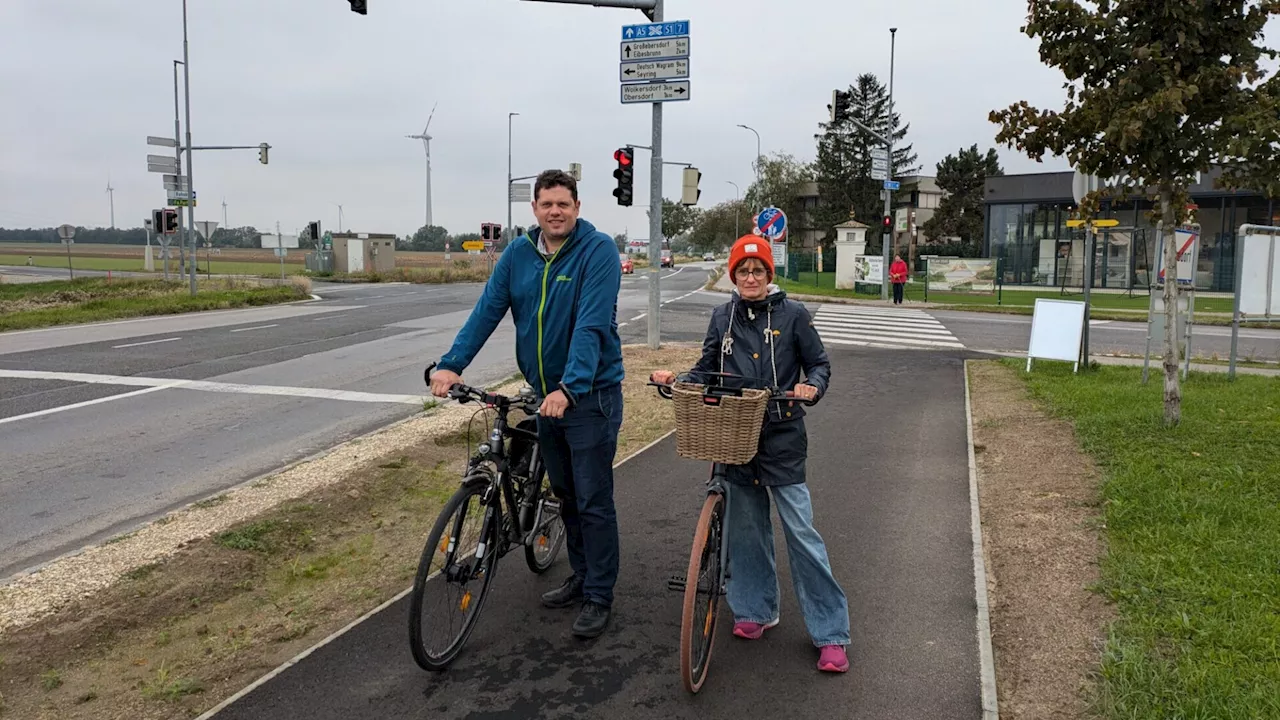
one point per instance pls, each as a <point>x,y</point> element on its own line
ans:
<point>89,456</point>
<point>889,476</point>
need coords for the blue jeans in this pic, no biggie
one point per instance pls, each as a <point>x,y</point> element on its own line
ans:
<point>753,574</point>
<point>578,451</point>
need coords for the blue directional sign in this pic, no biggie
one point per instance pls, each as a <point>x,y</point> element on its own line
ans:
<point>771,223</point>
<point>892,185</point>
<point>676,28</point>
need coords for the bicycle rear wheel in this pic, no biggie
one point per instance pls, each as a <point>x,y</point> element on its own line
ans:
<point>454,574</point>
<point>550,532</point>
<point>702,594</point>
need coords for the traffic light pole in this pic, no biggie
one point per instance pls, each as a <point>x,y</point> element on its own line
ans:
<point>191,204</point>
<point>888,194</point>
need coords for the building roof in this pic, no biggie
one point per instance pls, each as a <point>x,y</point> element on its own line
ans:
<point>854,224</point>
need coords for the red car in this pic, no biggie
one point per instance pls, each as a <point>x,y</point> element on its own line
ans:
<point>628,267</point>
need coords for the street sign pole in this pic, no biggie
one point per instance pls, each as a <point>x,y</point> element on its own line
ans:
<point>655,218</point>
<point>191,207</point>
<point>149,264</point>
<point>888,194</point>
<point>66,233</point>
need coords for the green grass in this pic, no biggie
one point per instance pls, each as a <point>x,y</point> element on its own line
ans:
<point>60,302</point>
<point>1192,519</point>
<point>292,265</point>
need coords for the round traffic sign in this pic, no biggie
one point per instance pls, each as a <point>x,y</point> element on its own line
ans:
<point>66,232</point>
<point>771,223</point>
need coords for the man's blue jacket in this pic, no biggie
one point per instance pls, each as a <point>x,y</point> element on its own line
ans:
<point>565,310</point>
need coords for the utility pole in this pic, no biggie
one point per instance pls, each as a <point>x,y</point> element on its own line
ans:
<point>177,163</point>
<point>510,115</point>
<point>888,194</point>
<point>737,210</point>
<point>191,199</point>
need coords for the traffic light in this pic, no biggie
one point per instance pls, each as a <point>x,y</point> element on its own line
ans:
<point>839,106</point>
<point>691,193</point>
<point>360,6</point>
<point>626,158</point>
<point>170,221</point>
<point>262,153</point>
<point>314,229</point>
<point>157,221</point>
<point>888,223</point>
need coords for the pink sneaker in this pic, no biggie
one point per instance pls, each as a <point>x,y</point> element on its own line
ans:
<point>833,659</point>
<point>752,631</point>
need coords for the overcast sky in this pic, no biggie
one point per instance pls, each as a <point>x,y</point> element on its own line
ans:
<point>85,81</point>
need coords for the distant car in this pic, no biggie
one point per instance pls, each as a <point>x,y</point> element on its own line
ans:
<point>668,260</point>
<point>628,267</point>
<point>709,257</point>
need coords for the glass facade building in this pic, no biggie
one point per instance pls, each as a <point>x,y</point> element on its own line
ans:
<point>1026,227</point>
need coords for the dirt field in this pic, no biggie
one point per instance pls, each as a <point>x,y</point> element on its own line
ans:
<point>1041,530</point>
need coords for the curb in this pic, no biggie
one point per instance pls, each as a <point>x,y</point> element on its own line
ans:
<point>990,697</point>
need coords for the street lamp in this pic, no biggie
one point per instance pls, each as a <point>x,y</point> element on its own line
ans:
<point>757,163</point>
<point>510,115</point>
<point>737,210</point>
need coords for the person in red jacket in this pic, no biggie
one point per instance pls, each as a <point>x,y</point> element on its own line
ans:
<point>898,276</point>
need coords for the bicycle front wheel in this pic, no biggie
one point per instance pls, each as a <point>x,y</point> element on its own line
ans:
<point>454,575</point>
<point>702,594</point>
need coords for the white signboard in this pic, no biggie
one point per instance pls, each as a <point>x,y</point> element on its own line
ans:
<point>1259,275</point>
<point>674,91</point>
<point>868,269</point>
<point>779,254</point>
<point>521,192</point>
<point>1056,330</point>
<point>1187,242</point>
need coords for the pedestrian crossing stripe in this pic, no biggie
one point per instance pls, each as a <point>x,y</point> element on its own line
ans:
<point>882,328</point>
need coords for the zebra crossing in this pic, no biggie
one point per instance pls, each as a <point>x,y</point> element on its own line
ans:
<point>882,327</point>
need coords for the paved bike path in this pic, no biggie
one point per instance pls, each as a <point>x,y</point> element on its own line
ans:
<point>889,476</point>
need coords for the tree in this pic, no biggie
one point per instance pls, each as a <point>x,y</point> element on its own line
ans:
<point>781,184</point>
<point>429,238</point>
<point>718,227</point>
<point>843,166</point>
<point>677,219</point>
<point>1157,91</point>
<point>621,241</point>
<point>960,213</point>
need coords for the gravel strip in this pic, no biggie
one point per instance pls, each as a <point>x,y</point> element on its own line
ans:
<point>44,591</point>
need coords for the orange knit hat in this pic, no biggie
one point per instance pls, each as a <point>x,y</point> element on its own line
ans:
<point>750,246</point>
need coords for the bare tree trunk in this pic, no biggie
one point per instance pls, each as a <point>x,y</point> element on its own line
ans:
<point>1172,391</point>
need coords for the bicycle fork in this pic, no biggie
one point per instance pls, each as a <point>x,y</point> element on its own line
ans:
<point>677,583</point>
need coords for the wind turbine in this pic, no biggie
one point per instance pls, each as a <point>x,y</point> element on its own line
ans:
<point>426,143</point>
<point>111,195</point>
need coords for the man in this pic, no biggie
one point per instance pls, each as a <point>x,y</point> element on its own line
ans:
<point>561,284</point>
<point>898,275</point>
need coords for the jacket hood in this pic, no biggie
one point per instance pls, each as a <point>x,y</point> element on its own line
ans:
<point>775,296</point>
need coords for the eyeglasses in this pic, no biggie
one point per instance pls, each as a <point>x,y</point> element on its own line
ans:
<point>744,273</point>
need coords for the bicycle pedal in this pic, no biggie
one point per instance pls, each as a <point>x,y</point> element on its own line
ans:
<point>677,583</point>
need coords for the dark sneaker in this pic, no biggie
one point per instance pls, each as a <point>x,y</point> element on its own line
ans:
<point>567,595</point>
<point>591,621</point>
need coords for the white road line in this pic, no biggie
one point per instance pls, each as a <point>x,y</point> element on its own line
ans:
<point>259,327</point>
<point>149,342</point>
<point>622,325</point>
<point>939,331</point>
<point>638,317</point>
<point>153,384</point>
<point>877,319</point>
<point>329,317</point>
<point>888,337</point>
<point>86,403</point>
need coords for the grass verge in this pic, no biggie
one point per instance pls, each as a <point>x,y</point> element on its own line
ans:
<point>61,302</point>
<point>138,264</point>
<point>174,636</point>
<point>1192,518</point>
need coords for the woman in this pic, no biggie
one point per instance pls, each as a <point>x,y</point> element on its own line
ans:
<point>761,335</point>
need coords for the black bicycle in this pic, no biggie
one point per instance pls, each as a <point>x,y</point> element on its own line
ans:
<point>707,578</point>
<point>506,498</point>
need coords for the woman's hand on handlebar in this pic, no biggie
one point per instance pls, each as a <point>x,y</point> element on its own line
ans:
<point>443,381</point>
<point>804,392</point>
<point>662,377</point>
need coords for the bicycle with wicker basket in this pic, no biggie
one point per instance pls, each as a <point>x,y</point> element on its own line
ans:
<point>720,424</point>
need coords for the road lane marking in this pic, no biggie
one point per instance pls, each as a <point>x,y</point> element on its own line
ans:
<point>149,342</point>
<point>258,327</point>
<point>86,403</point>
<point>150,384</point>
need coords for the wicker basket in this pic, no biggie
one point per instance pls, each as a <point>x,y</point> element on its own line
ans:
<point>724,430</point>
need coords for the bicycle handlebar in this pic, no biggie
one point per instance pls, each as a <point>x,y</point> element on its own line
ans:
<point>774,396</point>
<point>464,393</point>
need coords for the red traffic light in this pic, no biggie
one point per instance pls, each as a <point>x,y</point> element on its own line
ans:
<point>888,221</point>
<point>623,156</point>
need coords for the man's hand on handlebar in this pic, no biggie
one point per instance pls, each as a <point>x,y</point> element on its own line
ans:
<point>443,381</point>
